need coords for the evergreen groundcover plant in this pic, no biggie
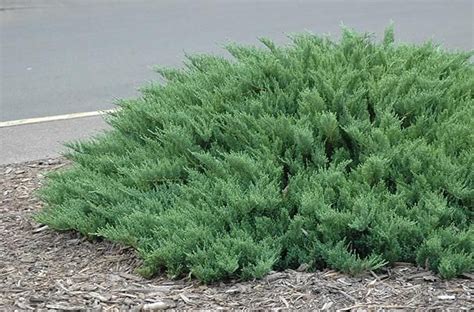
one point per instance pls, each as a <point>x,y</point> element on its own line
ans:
<point>349,154</point>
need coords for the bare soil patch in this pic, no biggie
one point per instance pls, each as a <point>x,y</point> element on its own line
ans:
<point>44,270</point>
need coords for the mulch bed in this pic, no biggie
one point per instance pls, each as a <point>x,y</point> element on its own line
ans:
<point>45,270</point>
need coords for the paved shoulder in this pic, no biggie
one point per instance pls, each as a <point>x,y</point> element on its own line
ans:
<point>43,140</point>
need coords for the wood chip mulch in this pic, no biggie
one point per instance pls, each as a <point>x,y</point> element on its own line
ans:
<point>45,270</point>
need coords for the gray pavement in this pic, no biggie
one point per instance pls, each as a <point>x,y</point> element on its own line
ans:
<point>44,140</point>
<point>65,56</point>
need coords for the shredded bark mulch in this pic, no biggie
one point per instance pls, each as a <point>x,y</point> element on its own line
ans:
<point>45,270</point>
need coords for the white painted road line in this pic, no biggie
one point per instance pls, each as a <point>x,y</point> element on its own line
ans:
<point>52,118</point>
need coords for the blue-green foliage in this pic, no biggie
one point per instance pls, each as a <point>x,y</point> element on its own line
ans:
<point>349,155</point>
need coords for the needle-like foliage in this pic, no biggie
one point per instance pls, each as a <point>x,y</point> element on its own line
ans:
<point>346,154</point>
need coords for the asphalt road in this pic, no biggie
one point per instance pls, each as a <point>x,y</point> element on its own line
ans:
<point>44,140</point>
<point>66,56</point>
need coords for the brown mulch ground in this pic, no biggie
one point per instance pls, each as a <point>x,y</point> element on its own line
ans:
<point>44,270</point>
